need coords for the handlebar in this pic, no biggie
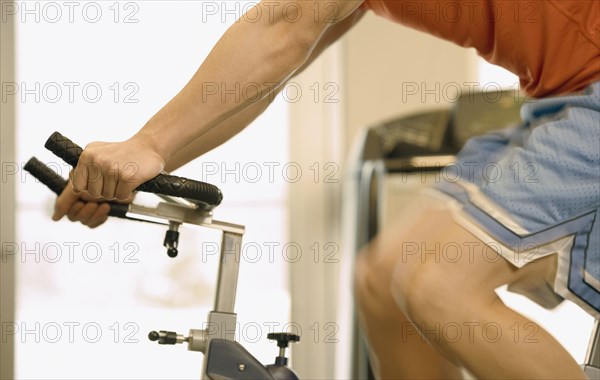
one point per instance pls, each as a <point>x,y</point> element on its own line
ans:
<point>205,195</point>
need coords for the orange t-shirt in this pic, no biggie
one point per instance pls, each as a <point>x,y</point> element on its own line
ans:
<point>553,46</point>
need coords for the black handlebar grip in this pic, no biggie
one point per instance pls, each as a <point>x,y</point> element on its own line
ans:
<point>48,177</point>
<point>206,195</point>
<point>209,195</point>
<point>64,148</point>
<point>57,184</point>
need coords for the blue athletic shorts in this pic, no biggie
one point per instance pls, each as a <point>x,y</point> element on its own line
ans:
<point>534,190</point>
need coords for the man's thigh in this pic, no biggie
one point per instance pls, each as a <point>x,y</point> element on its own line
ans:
<point>426,251</point>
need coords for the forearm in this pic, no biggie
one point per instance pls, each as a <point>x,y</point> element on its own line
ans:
<point>216,136</point>
<point>236,123</point>
<point>255,57</point>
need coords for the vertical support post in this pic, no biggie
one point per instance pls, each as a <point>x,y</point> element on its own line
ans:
<point>231,248</point>
<point>222,320</point>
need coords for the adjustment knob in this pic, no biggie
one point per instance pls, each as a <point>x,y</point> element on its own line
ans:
<point>172,252</point>
<point>172,239</point>
<point>166,337</point>
<point>283,340</point>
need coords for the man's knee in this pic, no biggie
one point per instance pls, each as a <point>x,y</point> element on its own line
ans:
<point>424,292</point>
<point>372,275</point>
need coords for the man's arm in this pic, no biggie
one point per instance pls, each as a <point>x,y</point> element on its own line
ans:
<point>103,156</point>
<point>236,123</point>
<point>258,56</point>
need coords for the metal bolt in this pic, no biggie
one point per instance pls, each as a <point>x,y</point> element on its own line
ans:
<point>241,367</point>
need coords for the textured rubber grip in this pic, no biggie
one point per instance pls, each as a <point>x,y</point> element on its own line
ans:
<point>46,175</point>
<point>64,148</point>
<point>57,184</point>
<point>208,195</point>
<point>205,195</point>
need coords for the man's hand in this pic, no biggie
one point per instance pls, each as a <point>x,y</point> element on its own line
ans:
<point>113,170</point>
<point>80,207</point>
<point>107,172</point>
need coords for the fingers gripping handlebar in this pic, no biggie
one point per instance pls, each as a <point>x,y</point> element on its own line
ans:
<point>57,184</point>
<point>203,194</point>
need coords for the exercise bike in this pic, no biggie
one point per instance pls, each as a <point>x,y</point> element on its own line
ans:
<point>192,202</point>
